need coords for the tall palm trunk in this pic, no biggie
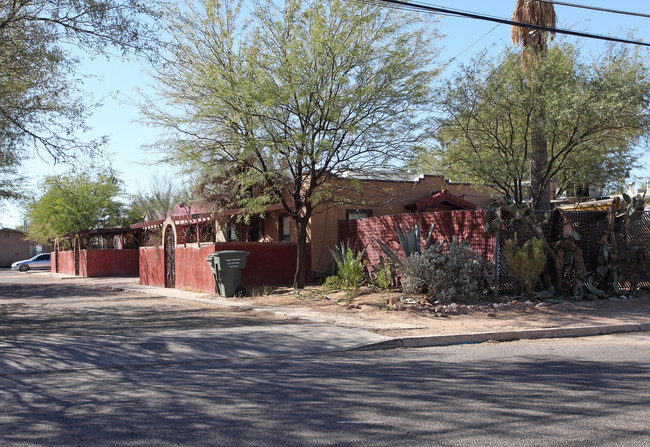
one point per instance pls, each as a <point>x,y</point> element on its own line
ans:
<point>534,43</point>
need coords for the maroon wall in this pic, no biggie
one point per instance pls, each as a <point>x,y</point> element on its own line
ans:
<point>269,263</point>
<point>66,262</point>
<point>152,266</point>
<point>108,262</point>
<point>99,262</point>
<point>467,225</point>
<point>193,272</point>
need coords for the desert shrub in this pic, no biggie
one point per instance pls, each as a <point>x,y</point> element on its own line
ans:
<point>526,263</point>
<point>332,282</point>
<point>351,272</point>
<point>384,277</point>
<point>447,271</point>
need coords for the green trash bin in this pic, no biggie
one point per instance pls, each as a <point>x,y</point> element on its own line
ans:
<point>226,267</point>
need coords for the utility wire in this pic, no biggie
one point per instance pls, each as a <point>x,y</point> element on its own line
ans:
<point>597,8</point>
<point>471,15</point>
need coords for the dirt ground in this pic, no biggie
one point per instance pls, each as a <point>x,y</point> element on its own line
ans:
<point>369,310</point>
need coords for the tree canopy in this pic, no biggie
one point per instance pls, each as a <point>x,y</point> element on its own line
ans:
<point>596,115</point>
<point>275,104</point>
<point>75,202</point>
<point>159,199</point>
<point>41,105</point>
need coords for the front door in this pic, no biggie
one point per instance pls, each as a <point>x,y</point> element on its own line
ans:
<point>170,255</point>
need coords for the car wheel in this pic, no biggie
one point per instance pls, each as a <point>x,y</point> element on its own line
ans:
<point>24,268</point>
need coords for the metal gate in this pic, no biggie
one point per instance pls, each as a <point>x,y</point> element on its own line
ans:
<point>170,257</point>
<point>76,256</point>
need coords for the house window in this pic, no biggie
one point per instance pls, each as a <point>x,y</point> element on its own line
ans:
<point>357,214</point>
<point>285,228</point>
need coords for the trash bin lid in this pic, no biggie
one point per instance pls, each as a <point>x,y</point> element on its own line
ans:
<point>230,252</point>
<point>228,259</point>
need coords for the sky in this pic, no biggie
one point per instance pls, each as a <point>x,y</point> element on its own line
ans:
<point>115,83</point>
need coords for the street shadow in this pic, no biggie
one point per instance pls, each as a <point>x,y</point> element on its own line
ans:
<point>391,398</point>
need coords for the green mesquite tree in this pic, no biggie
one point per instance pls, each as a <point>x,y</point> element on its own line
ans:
<point>290,98</point>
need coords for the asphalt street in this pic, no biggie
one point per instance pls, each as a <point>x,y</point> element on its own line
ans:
<point>557,392</point>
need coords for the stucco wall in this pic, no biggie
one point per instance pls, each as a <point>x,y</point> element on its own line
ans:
<point>193,272</point>
<point>66,262</point>
<point>95,263</point>
<point>151,266</point>
<point>12,247</point>
<point>269,263</point>
<point>108,262</point>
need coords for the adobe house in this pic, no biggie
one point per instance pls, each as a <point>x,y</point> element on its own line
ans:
<point>355,199</point>
<point>173,251</point>
<point>13,247</point>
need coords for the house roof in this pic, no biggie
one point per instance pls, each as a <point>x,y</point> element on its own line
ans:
<point>12,230</point>
<point>441,200</point>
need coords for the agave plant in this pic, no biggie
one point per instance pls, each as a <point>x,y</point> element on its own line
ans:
<point>409,239</point>
<point>340,251</point>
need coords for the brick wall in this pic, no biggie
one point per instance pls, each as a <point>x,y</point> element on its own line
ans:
<point>467,225</point>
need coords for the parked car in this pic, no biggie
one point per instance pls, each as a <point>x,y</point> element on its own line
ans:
<point>41,261</point>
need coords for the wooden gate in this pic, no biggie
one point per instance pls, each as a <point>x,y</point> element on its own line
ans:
<point>170,257</point>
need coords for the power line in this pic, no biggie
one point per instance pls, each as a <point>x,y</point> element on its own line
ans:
<point>471,15</point>
<point>474,43</point>
<point>597,8</point>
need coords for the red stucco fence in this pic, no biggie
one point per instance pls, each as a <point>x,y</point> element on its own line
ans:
<point>65,261</point>
<point>467,225</point>
<point>94,263</point>
<point>152,266</point>
<point>269,263</point>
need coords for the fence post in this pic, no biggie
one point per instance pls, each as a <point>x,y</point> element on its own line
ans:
<point>497,263</point>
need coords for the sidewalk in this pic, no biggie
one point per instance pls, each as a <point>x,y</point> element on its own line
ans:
<point>560,320</point>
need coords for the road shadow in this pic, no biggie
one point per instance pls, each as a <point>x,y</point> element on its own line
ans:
<point>396,398</point>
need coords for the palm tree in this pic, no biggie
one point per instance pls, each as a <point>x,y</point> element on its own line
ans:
<point>537,13</point>
<point>534,43</point>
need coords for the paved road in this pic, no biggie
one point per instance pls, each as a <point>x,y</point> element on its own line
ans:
<point>49,325</point>
<point>561,392</point>
<point>539,393</point>
<point>35,304</point>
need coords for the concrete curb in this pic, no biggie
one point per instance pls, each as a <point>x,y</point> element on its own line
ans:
<point>523,334</point>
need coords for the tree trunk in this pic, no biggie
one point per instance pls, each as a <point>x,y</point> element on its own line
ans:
<point>301,252</point>
<point>539,186</point>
